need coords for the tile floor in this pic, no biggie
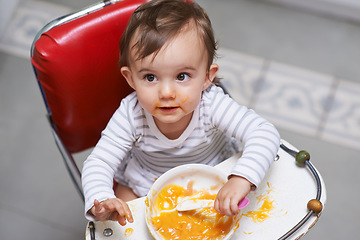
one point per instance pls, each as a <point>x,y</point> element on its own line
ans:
<point>297,68</point>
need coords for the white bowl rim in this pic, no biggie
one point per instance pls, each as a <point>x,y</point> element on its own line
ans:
<point>189,167</point>
<point>181,169</point>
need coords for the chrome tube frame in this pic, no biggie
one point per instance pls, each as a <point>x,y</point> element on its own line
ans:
<point>69,161</point>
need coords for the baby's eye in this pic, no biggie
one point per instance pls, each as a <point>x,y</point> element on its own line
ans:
<point>150,77</point>
<point>182,77</point>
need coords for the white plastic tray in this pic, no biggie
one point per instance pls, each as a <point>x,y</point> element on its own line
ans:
<point>287,184</point>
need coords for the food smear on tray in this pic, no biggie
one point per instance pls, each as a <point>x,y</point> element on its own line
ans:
<point>266,209</point>
<point>204,224</point>
<point>129,232</point>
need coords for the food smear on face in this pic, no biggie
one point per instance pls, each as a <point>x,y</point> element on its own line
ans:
<point>204,224</point>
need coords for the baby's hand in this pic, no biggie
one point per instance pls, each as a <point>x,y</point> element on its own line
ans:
<point>230,195</point>
<point>113,209</point>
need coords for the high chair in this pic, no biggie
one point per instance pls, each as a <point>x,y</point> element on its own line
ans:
<point>75,60</point>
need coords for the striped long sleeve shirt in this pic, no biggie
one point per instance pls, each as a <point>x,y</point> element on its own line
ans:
<point>133,150</point>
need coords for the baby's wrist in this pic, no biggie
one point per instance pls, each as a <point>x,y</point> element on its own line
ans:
<point>252,186</point>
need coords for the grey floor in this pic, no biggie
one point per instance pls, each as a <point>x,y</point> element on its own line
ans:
<point>37,199</point>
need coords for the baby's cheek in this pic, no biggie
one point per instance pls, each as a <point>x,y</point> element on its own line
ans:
<point>156,103</point>
<point>184,99</point>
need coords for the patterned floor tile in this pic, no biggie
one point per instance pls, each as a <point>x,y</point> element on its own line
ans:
<point>28,19</point>
<point>293,98</point>
<point>343,121</point>
<point>240,74</point>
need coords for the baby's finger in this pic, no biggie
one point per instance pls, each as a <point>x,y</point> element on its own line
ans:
<point>128,214</point>
<point>224,207</point>
<point>98,206</point>
<point>234,209</point>
<point>217,205</point>
<point>121,220</point>
<point>124,211</point>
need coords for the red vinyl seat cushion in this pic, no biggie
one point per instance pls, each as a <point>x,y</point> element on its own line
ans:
<point>76,64</point>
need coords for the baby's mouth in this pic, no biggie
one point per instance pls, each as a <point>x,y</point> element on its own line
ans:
<point>168,109</point>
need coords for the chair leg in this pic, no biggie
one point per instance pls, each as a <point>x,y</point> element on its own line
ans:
<point>70,163</point>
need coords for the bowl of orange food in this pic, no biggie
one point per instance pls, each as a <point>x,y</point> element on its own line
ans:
<point>187,182</point>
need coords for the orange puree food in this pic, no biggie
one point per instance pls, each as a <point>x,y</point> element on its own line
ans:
<point>264,212</point>
<point>202,224</point>
<point>129,232</point>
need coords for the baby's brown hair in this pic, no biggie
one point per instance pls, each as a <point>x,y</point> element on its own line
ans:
<point>158,21</point>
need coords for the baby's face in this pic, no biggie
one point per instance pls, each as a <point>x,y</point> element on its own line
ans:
<point>170,85</point>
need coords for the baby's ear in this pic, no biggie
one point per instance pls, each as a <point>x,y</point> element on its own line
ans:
<point>126,72</point>
<point>211,74</point>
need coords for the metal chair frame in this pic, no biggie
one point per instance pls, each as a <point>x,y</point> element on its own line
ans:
<point>69,161</point>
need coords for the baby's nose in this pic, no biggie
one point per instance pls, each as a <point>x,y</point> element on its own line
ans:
<point>167,90</point>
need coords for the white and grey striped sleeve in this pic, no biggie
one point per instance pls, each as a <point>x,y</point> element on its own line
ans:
<point>99,168</point>
<point>260,138</point>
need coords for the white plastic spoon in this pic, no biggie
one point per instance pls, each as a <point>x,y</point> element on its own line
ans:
<point>192,204</point>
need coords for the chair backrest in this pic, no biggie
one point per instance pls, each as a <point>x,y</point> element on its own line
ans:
<point>76,64</point>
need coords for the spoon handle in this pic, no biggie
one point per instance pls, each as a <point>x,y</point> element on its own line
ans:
<point>243,203</point>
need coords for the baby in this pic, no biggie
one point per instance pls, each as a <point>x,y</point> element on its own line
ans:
<point>175,116</point>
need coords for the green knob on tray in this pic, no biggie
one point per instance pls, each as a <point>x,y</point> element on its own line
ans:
<point>302,157</point>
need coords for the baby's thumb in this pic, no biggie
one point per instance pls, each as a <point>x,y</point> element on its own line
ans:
<point>97,206</point>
